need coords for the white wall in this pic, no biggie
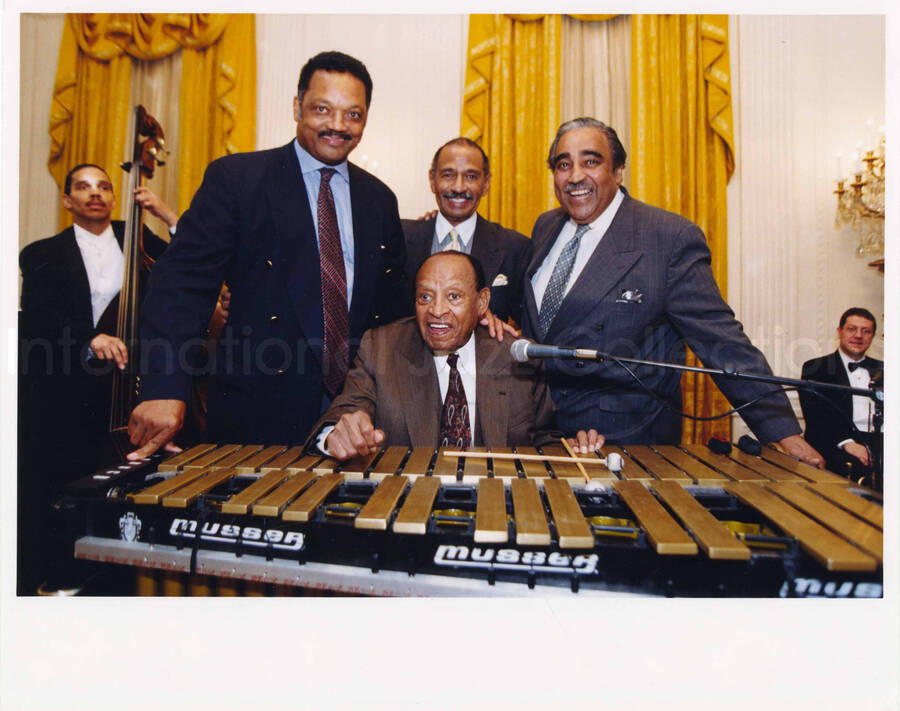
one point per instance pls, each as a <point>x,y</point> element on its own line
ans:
<point>38,195</point>
<point>804,88</point>
<point>417,68</point>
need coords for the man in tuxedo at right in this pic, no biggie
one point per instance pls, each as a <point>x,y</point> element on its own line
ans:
<point>843,430</point>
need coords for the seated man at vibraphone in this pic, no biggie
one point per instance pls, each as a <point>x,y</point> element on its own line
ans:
<point>437,378</point>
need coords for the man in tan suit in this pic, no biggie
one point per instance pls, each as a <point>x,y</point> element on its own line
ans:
<point>436,380</point>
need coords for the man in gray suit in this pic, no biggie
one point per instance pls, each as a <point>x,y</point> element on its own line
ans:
<point>439,380</point>
<point>460,175</point>
<point>613,274</point>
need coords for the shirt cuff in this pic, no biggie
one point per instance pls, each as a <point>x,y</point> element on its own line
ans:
<point>320,440</point>
<point>846,441</point>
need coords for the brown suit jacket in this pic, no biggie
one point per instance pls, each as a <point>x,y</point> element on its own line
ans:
<point>394,380</point>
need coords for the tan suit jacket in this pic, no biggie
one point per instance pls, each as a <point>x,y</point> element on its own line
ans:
<point>394,380</point>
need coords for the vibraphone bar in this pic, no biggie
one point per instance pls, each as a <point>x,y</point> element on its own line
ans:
<point>671,521</point>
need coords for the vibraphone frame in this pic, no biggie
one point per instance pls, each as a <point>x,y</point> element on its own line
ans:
<point>830,542</point>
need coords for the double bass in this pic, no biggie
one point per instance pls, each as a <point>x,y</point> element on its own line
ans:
<point>148,142</point>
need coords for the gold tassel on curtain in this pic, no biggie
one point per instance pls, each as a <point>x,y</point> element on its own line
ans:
<point>90,116</point>
<point>682,152</point>
<point>511,107</point>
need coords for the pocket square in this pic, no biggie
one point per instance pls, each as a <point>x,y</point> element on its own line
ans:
<point>630,296</point>
<point>500,280</point>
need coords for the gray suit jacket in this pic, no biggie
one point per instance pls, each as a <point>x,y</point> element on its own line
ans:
<point>663,260</point>
<point>500,251</point>
<point>394,380</point>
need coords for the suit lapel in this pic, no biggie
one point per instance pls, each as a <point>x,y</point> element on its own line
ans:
<point>119,233</point>
<point>491,402</point>
<point>486,249</point>
<point>840,372</point>
<point>420,247</point>
<point>295,240</point>
<point>841,378</point>
<point>81,287</point>
<point>420,389</point>
<point>366,249</point>
<point>543,246</point>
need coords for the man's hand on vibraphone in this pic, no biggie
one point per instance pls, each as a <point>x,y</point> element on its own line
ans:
<point>586,442</point>
<point>798,447</point>
<point>153,424</point>
<point>354,435</point>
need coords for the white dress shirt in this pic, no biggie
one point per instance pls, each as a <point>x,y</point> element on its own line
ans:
<point>862,406</point>
<point>589,242</point>
<point>104,264</point>
<point>466,366</point>
<point>465,230</point>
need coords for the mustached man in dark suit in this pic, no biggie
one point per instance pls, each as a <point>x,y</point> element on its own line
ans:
<point>312,250</point>
<point>70,301</point>
<point>460,176</point>
<point>843,431</point>
<point>613,274</point>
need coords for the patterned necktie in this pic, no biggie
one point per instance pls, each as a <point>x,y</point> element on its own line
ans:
<point>451,242</point>
<point>455,431</point>
<point>334,289</point>
<point>556,287</point>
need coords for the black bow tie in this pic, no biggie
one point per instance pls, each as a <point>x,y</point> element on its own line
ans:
<point>853,365</point>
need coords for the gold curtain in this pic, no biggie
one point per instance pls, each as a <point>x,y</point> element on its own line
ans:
<point>682,151</point>
<point>90,117</point>
<point>511,107</point>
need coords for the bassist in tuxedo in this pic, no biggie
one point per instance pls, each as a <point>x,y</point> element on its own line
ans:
<point>68,340</point>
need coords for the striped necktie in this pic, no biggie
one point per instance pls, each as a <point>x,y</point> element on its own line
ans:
<point>451,242</point>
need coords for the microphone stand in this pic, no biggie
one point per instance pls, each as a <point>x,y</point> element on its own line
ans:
<point>873,392</point>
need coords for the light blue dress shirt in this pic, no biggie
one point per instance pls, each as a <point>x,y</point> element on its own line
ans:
<point>340,189</point>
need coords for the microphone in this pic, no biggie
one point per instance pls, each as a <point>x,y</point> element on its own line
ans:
<point>523,350</point>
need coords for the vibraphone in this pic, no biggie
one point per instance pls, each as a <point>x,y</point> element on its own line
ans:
<point>674,521</point>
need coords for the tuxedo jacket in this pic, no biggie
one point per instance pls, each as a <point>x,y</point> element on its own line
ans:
<point>64,398</point>
<point>499,250</point>
<point>250,225</point>
<point>646,291</point>
<point>56,293</point>
<point>395,381</point>
<point>828,424</point>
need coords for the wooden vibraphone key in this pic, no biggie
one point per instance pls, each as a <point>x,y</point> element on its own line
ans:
<point>534,498</point>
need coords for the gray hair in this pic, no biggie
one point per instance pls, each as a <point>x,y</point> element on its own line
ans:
<point>618,150</point>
